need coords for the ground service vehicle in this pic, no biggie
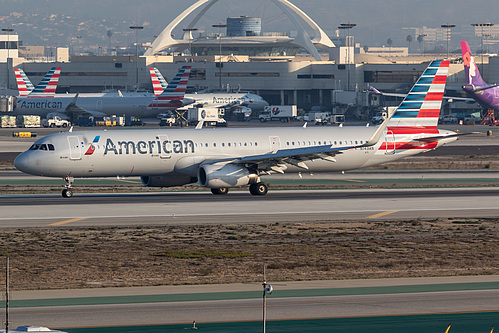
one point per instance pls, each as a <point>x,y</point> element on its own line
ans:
<point>283,113</point>
<point>55,121</point>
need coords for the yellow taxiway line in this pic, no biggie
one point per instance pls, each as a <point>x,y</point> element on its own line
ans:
<point>375,216</point>
<point>69,221</point>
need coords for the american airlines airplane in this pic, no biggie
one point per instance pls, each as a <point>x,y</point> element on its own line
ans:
<point>74,105</point>
<point>217,100</point>
<point>221,159</point>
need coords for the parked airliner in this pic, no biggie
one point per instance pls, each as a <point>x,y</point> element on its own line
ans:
<point>220,159</point>
<point>74,105</point>
<point>484,94</point>
<point>215,99</point>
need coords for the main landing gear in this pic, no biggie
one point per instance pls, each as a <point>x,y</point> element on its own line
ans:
<point>255,189</point>
<point>68,192</point>
<point>259,188</point>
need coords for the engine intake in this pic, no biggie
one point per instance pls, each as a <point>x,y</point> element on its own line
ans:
<point>216,176</point>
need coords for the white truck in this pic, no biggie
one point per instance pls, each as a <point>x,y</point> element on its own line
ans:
<point>55,121</point>
<point>210,115</point>
<point>283,113</point>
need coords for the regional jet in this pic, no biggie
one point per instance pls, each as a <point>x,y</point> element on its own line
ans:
<point>74,105</point>
<point>221,159</point>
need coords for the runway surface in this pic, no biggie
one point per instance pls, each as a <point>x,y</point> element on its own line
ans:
<point>241,207</point>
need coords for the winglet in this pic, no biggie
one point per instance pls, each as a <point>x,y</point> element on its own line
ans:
<point>377,135</point>
<point>200,125</point>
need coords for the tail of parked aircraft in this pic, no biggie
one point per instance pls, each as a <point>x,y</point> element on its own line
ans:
<point>48,85</point>
<point>174,93</point>
<point>24,85</point>
<point>421,107</point>
<point>473,76</point>
<point>158,81</point>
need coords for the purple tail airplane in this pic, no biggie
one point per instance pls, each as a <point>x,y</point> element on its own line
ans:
<point>484,94</point>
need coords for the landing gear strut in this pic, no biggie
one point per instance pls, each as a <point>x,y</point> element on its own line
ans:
<point>259,188</point>
<point>220,191</point>
<point>68,192</point>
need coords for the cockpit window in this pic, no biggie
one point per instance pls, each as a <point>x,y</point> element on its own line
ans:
<point>43,146</point>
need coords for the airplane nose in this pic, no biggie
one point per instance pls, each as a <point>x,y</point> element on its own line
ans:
<point>22,162</point>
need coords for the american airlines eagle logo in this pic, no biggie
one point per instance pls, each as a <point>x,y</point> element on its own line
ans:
<point>91,149</point>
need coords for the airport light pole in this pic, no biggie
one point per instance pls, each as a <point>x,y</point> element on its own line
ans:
<point>136,28</point>
<point>220,26</point>
<point>8,31</point>
<point>347,26</point>
<point>190,30</point>
<point>481,25</point>
<point>448,27</point>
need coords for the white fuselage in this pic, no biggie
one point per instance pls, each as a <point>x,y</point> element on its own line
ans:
<point>181,152</point>
<point>98,104</point>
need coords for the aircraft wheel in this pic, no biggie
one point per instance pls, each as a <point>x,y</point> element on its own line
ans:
<point>220,191</point>
<point>259,189</point>
<point>67,193</point>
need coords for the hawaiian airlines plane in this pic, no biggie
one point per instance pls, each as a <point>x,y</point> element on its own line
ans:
<point>221,159</point>
<point>484,94</point>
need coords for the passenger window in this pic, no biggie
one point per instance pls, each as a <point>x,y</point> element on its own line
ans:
<point>206,145</point>
<point>223,144</point>
<point>256,144</point>
<point>214,144</point>
<point>228,144</point>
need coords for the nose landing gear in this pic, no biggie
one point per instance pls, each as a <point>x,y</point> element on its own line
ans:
<point>68,192</point>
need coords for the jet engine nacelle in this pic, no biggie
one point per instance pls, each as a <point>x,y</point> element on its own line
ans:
<point>167,180</point>
<point>216,176</point>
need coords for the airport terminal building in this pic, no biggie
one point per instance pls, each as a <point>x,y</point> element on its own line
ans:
<point>304,68</point>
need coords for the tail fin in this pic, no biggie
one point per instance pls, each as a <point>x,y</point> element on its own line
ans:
<point>158,81</point>
<point>24,85</point>
<point>421,107</point>
<point>473,76</point>
<point>174,93</point>
<point>48,85</point>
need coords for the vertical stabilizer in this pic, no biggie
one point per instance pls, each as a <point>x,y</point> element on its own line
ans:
<point>156,82</point>
<point>421,107</point>
<point>174,93</point>
<point>48,85</point>
<point>473,76</point>
<point>24,85</point>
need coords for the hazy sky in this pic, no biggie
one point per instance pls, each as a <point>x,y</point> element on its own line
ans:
<point>376,20</point>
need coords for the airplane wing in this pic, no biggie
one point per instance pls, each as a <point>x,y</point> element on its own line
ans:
<point>464,99</point>
<point>276,161</point>
<point>75,111</point>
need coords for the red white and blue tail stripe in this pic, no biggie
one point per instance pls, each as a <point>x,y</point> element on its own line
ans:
<point>421,107</point>
<point>174,93</point>
<point>48,85</point>
<point>24,85</point>
<point>158,81</point>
